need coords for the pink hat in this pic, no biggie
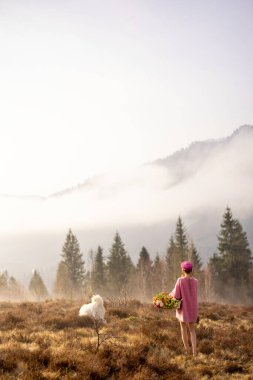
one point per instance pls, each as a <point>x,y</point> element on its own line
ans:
<point>186,265</point>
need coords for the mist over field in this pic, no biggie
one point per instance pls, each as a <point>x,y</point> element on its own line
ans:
<point>142,203</point>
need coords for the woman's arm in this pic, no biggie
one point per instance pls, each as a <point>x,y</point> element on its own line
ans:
<point>176,292</point>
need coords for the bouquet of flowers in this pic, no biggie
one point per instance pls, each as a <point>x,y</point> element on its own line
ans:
<point>166,301</point>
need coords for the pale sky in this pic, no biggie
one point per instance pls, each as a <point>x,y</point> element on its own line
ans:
<point>88,87</point>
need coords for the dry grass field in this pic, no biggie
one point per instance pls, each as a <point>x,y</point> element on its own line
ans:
<point>49,341</point>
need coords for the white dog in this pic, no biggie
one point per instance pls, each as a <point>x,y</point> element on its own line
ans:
<point>95,309</point>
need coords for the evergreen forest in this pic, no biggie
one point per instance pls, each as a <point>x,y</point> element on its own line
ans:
<point>226,277</point>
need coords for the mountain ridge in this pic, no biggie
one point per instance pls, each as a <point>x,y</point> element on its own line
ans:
<point>182,155</point>
<point>209,145</point>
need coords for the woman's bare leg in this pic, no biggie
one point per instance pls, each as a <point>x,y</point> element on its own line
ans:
<point>193,338</point>
<point>184,333</point>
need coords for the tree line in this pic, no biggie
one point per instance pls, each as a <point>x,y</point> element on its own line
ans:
<point>227,276</point>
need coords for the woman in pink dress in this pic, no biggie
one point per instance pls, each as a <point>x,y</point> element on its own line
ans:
<point>186,289</point>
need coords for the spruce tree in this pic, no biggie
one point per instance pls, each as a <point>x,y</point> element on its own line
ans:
<point>15,289</point>
<point>177,252</point>
<point>63,285</point>
<point>37,287</point>
<point>172,264</point>
<point>98,278</point>
<point>240,262</point>
<point>144,271</point>
<point>9,287</point>
<point>72,258</point>
<point>181,242</point>
<point>4,282</point>
<point>194,257</point>
<point>231,266</point>
<point>158,275</point>
<point>119,267</point>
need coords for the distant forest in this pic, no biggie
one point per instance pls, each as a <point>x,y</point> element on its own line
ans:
<point>227,277</point>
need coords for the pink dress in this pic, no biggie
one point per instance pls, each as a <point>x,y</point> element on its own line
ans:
<point>186,288</point>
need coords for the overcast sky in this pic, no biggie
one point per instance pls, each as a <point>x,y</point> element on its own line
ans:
<point>92,86</point>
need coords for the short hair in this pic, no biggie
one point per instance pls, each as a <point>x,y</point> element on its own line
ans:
<point>187,271</point>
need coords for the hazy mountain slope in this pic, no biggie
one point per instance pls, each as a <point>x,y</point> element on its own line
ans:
<point>218,155</point>
<point>187,162</point>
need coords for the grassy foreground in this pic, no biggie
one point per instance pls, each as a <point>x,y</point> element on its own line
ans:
<point>49,341</point>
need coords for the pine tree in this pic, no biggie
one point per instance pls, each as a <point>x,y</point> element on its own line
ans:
<point>37,287</point>
<point>9,287</point>
<point>63,284</point>
<point>15,289</point>
<point>181,242</point>
<point>158,275</point>
<point>98,278</point>
<point>72,258</point>
<point>231,266</point>
<point>177,252</point>
<point>241,257</point>
<point>119,267</point>
<point>195,259</point>
<point>4,277</point>
<point>172,264</point>
<point>144,271</point>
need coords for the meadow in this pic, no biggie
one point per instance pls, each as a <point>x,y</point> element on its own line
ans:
<point>48,340</point>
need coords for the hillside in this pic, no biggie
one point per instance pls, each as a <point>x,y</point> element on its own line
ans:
<point>182,164</point>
